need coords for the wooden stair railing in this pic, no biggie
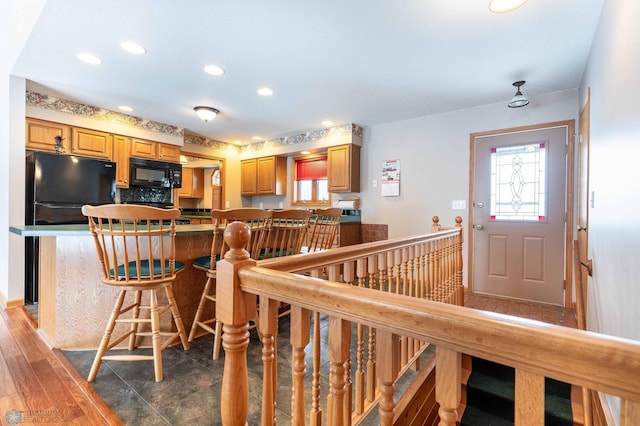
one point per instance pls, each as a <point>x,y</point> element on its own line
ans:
<point>534,349</point>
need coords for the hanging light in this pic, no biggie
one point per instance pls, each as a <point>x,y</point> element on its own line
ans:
<point>518,99</point>
<point>206,113</point>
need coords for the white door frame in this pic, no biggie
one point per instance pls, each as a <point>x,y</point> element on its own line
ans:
<point>569,198</point>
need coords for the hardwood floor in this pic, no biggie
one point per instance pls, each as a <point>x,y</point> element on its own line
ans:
<point>39,385</point>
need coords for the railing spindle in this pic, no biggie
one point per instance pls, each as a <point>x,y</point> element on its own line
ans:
<point>300,326</point>
<point>448,380</point>
<point>268,326</point>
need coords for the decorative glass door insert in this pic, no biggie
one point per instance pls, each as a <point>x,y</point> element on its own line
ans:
<point>519,183</point>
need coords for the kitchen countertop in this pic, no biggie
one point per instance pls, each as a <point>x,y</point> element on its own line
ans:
<point>82,230</point>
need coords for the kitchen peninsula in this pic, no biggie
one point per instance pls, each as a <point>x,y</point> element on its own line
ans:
<point>74,305</point>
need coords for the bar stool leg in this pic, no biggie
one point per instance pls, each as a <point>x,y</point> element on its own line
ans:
<point>177,319</point>
<point>155,336</point>
<point>104,343</point>
<point>217,340</point>
<point>134,325</point>
<point>200,310</point>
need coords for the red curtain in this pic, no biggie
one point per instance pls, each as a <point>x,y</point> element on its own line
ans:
<point>311,169</point>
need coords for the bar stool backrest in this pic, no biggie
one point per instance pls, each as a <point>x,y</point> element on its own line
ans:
<point>323,229</point>
<point>135,244</point>
<point>287,233</point>
<point>257,220</point>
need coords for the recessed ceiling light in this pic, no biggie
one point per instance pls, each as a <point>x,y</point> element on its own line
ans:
<point>327,123</point>
<point>125,108</point>
<point>305,152</point>
<point>89,58</point>
<point>213,70</point>
<point>131,47</point>
<point>500,6</point>
<point>257,138</point>
<point>237,142</point>
<point>265,91</point>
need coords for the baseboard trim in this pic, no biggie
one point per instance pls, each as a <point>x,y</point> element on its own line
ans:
<point>6,304</point>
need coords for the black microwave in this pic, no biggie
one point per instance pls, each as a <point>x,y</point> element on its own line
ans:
<point>157,174</point>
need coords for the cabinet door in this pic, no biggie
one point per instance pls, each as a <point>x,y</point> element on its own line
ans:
<point>343,168</point>
<point>91,143</point>
<point>121,157</point>
<point>167,152</point>
<point>187,182</point>
<point>197,183</point>
<point>272,176</point>
<point>40,135</point>
<point>248,177</point>
<point>143,148</point>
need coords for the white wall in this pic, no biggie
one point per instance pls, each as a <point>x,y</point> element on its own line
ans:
<point>614,220</point>
<point>16,21</point>
<point>434,159</point>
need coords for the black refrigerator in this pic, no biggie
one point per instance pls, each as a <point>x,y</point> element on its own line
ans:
<point>57,186</point>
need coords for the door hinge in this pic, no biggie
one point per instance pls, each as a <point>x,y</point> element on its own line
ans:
<point>564,284</point>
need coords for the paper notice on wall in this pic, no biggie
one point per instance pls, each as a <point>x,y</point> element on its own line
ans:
<point>390,182</point>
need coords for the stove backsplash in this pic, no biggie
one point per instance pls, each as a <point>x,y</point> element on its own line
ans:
<point>145,194</point>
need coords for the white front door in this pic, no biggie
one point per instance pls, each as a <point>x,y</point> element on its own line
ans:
<point>519,214</point>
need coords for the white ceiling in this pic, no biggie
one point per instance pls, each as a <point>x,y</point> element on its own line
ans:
<point>358,61</point>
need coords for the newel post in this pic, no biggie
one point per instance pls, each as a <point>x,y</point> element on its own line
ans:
<point>231,308</point>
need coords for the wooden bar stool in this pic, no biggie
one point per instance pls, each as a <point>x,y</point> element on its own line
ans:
<point>287,233</point>
<point>136,250</point>
<point>323,229</point>
<point>258,221</point>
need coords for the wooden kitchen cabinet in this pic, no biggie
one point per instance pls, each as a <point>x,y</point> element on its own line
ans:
<point>144,149</point>
<point>343,168</point>
<point>192,183</point>
<point>40,135</point>
<point>168,152</point>
<point>121,145</point>
<point>249,177</point>
<point>264,176</point>
<point>91,143</point>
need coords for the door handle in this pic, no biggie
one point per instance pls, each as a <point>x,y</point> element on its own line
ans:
<point>581,228</point>
<point>589,265</point>
<point>479,227</point>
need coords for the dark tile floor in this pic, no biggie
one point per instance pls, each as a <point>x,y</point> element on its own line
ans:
<point>190,391</point>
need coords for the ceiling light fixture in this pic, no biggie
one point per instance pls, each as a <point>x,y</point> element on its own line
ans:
<point>518,99</point>
<point>131,47</point>
<point>125,108</point>
<point>265,91</point>
<point>501,6</point>
<point>206,113</point>
<point>327,123</point>
<point>213,70</point>
<point>89,58</point>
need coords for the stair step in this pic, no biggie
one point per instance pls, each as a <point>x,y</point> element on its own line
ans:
<point>476,417</point>
<point>490,393</point>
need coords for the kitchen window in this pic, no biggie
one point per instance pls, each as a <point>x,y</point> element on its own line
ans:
<point>310,186</point>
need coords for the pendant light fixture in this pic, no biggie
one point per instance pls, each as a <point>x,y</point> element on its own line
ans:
<point>518,99</point>
<point>206,113</point>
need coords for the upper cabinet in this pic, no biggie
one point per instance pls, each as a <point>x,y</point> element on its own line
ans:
<point>264,176</point>
<point>121,147</point>
<point>155,150</point>
<point>40,135</point>
<point>343,168</point>
<point>91,143</point>
<point>168,152</point>
<point>144,149</point>
<point>192,183</point>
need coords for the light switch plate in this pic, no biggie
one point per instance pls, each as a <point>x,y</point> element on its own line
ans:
<point>459,204</point>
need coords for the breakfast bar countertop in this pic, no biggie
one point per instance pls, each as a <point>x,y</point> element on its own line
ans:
<point>82,230</point>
